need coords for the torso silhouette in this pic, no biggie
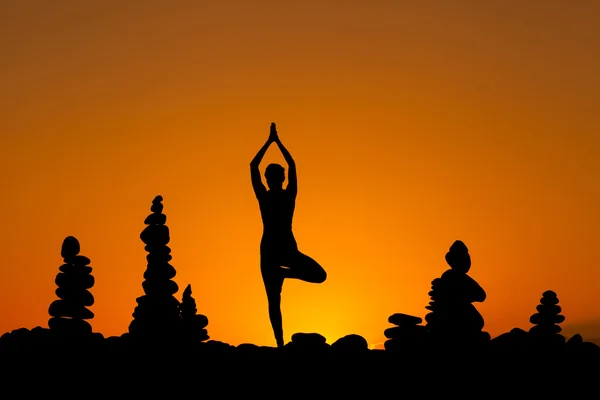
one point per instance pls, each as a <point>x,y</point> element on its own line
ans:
<point>277,211</point>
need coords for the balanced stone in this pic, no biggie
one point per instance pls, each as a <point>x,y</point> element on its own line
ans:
<point>407,327</point>
<point>159,271</point>
<point>70,311</point>
<point>452,313</point>
<point>458,257</point>
<point>407,333</point>
<point>404,319</point>
<point>548,330</point>
<point>542,318</point>
<point>547,319</point>
<point>549,297</point>
<point>193,324</point>
<point>70,247</point>
<point>188,303</point>
<point>157,312</point>
<point>156,219</point>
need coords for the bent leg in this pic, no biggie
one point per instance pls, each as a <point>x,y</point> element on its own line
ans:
<point>300,266</point>
<point>273,280</point>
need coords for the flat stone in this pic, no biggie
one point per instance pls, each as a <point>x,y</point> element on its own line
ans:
<point>404,319</point>
<point>75,269</point>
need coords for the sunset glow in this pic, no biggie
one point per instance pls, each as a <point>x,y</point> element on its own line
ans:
<point>413,124</point>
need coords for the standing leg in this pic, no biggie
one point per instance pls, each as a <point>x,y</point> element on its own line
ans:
<point>273,280</point>
<point>300,266</point>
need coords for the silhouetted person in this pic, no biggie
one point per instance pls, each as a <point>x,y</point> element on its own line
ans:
<point>279,254</point>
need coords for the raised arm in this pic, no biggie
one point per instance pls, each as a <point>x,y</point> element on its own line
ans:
<point>257,185</point>
<point>292,186</point>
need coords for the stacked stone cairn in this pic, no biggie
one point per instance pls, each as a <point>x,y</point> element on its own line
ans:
<point>70,312</point>
<point>193,324</point>
<point>156,316</point>
<point>546,329</point>
<point>453,319</point>
<point>407,334</point>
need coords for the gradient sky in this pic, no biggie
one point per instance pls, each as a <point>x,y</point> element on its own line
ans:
<point>413,124</point>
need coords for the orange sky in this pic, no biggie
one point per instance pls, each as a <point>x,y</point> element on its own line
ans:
<point>413,124</point>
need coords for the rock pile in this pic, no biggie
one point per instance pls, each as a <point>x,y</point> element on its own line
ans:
<point>547,319</point>
<point>406,334</point>
<point>157,312</point>
<point>70,312</point>
<point>193,324</point>
<point>453,316</point>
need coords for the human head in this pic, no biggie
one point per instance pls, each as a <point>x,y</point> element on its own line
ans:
<point>275,175</point>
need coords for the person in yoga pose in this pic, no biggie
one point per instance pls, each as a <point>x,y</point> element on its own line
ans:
<point>279,254</point>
